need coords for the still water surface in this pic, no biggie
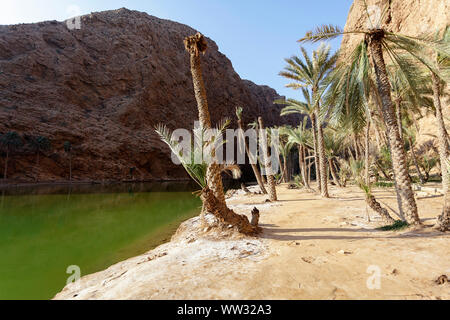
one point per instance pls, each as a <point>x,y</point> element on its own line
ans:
<point>45,229</point>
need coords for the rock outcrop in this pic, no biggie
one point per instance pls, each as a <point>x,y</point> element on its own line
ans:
<point>408,17</point>
<point>104,87</point>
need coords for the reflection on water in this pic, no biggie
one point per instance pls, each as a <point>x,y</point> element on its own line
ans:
<point>45,229</point>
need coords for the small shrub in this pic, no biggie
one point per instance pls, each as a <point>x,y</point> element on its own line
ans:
<point>397,225</point>
<point>383,184</point>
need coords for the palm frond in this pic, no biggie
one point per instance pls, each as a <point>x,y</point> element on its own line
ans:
<point>324,32</point>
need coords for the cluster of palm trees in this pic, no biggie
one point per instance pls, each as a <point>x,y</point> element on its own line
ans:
<point>12,143</point>
<point>379,87</point>
<point>360,119</point>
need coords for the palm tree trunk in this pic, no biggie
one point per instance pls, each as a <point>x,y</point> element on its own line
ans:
<point>442,132</point>
<point>285,173</point>
<point>416,164</point>
<point>398,154</point>
<point>443,220</point>
<point>333,173</point>
<point>302,165</point>
<point>375,206</point>
<point>349,150</point>
<point>253,163</point>
<point>5,172</point>
<point>355,145</point>
<point>263,177</point>
<point>267,164</point>
<point>213,173</point>
<point>200,92</point>
<point>70,167</point>
<point>366,153</point>
<point>316,153</point>
<point>308,166</point>
<point>322,159</point>
<point>399,117</point>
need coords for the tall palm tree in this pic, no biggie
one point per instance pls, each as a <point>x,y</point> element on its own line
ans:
<point>267,163</point>
<point>312,72</point>
<point>382,41</point>
<point>443,221</point>
<point>442,61</point>
<point>301,137</point>
<point>284,148</point>
<point>10,142</point>
<point>195,45</point>
<point>68,149</point>
<point>40,144</point>
<point>213,197</point>
<point>307,108</point>
<point>351,93</point>
<point>253,162</point>
<point>255,126</point>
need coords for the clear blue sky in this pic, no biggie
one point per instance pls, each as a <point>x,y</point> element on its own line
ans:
<point>254,34</point>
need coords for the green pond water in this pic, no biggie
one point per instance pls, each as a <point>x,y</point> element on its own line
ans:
<point>44,230</point>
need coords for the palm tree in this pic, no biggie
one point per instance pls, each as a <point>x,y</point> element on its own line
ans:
<point>442,61</point>
<point>382,41</point>
<point>284,148</point>
<point>40,144</point>
<point>68,149</point>
<point>312,73</point>
<point>334,144</point>
<point>300,137</point>
<point>255,126</point>
<point>9,142</point>
<point>427,162</point>
<point>357,167</point>
<point>212,191</point>
<point>267,163</point>
<point>410,135</point>
<point>305,108</point>
<point>409,91</point>
<point>253,161</point>
<point>195,45</point>
<point>199,173</point>
<point>443,221</point>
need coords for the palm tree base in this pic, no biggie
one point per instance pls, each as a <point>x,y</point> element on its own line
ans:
<point>225,215</point>
<point>376,206</point>
<point>443,222</point>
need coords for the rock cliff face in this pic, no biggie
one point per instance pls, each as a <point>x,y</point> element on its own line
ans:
<point>104,86</point>
<point>408,17</point>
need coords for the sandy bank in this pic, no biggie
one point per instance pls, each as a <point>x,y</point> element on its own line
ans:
<point>311,248</point>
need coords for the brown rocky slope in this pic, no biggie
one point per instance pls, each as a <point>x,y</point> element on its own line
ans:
<point>103,88</point>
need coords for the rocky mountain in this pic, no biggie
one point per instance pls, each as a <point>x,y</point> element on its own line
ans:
<point>408,17</point>
<point>104,87</point>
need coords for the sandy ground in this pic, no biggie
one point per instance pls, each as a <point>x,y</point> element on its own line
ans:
<point>311,248</point>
